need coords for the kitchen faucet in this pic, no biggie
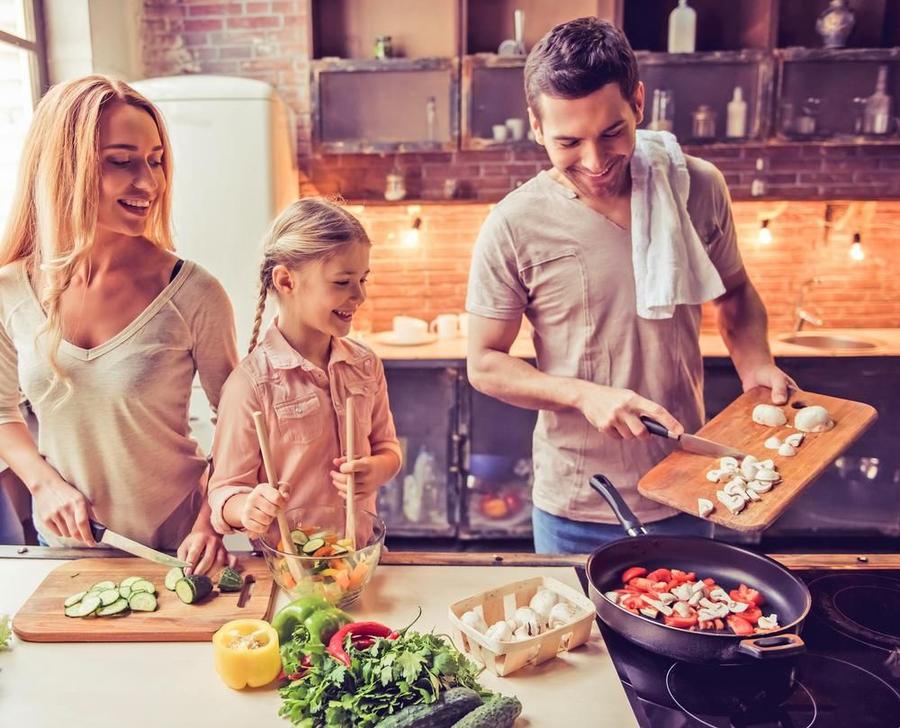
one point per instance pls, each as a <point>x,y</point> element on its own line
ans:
<point>801,315</point>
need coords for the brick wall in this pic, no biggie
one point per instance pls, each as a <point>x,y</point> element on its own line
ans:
<point>270,40</point>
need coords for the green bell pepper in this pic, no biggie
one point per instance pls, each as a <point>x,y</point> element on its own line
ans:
<point>296,613</point>
<point>324,623</point>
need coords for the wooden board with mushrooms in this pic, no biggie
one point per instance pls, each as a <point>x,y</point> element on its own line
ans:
<point>787,448</point>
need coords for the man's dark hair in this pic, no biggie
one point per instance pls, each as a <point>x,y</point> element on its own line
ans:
<point>578,57</point>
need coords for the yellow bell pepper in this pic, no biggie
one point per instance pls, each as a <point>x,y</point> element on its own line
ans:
<point>246,653</point>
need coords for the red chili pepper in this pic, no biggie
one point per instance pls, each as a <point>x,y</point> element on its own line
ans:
<point>356,629</point>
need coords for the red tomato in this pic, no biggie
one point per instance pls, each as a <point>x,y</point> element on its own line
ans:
<point>631,573</point>
<point>632,603</point>
<point>739,625</point>
<point>719,623</point>
<point>710,582</point>
<point>751,614</point>
<point>745,594</point>
<point>681,622</point>
<point>639,582</point>
<point>660,575</point>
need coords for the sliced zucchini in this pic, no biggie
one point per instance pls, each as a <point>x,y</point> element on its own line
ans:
<point>108,596</point>
<point>103,586</point>
<point>118,606</point>
<point>142,585</point>
<point>299,538</point>
<point>74,599</point>
<point>313,545</point>
<point>85,607</point>
<point>338,550</point>
<point>124,591</point>
<point>193,588</point>
<point>230,580</point>
<point>142,602</point>
<point>129,581</point>
<point>173,576</point>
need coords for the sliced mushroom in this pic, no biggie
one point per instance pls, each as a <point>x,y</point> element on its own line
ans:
<point>719,595</point>
<point>613,596</point>
<point>713,476</point>
<point>795,439</point>
<point>769,464</point>
<point>666,598</point>
<point>773,443</point>
<point>728,463</point>
<point>704,507</point>
<point>649,612</point>
<point>752,494</point>
<point>768,415</point>
<point>682,592</point>
<point>767,476</point>
<point>735,487</point>
<point>682,609</point>
<point>737,607</point>
<point>759,487</point>
<point>695,598</point>
<point>734,504</point>
<point>787,450</point>
<point>770,622</point>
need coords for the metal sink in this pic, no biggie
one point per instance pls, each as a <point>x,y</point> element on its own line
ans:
<point>816,340</point>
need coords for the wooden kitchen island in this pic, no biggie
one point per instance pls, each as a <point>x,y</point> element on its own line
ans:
<point>174,683</point>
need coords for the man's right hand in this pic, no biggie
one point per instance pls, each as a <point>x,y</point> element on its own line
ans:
<point>616,412</point>
<point>64,509</point>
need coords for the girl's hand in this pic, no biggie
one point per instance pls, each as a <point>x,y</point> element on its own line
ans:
<point>202,548</point>
<point>365,480</point>
<point>64,509</point>
<point>261,507</point>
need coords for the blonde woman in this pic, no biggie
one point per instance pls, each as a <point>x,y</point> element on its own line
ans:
<point>102,328</point>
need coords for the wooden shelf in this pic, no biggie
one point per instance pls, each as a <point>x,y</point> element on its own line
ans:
<point>877,23</point>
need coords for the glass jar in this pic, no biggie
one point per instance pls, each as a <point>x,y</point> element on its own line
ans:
<point>384,47</point>
<point>663,113</point>
<point>704,122</point>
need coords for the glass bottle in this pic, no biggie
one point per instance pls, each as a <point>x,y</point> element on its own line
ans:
<point>682,28</point>
<point>663,113</point>
<point>431,118</point>
<point>877,116</point>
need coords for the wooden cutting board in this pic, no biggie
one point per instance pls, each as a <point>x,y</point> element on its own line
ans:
<point>41,618</point>
<point>680,479</point>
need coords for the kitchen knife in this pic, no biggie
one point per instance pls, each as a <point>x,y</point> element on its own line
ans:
<point>692,443</point>
<point>103,535</point>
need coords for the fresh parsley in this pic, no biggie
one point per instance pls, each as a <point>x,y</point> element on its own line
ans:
<point>381,680</point>
<point>5,632</point>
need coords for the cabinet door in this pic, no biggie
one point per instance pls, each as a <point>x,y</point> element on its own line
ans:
<point>421,499</point>
<point>496,467</point>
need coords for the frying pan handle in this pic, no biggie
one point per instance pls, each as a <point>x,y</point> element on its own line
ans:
<point>656,428</point>
<point>630,522</point>
<point>773,646</point>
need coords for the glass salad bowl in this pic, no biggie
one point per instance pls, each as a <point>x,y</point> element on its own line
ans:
<point>324,564</point>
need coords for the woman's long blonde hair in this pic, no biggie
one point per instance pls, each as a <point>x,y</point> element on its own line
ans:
<point>307,230</point>
<point>53,218</point>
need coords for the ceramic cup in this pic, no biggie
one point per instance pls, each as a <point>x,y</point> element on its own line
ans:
<point>501,132</point>
<point>408,328</point>
<point>464,324</point>
<point>446,326</point>
<point>516,129</point>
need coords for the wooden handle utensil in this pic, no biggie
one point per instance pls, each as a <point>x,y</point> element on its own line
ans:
<point>349,451</point>
<point>284,530</point>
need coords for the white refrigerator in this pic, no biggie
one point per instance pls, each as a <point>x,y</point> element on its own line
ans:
<point>235,169</point>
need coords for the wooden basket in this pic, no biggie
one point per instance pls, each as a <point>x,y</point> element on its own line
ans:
<point>503,658</point>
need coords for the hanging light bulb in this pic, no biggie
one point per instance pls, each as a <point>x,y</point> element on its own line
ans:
<point>765,235</point>
<point>856,248</point>
<point>411,238</point>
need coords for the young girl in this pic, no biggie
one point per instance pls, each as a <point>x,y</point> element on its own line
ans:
<point>315,263</point>
<point>103,328</point>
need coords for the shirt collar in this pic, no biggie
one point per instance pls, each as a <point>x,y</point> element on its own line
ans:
<point>284,356</point>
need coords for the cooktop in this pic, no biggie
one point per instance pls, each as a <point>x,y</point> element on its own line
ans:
<point>849,676</point>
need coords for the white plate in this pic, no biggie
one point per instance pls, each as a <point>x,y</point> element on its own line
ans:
<point>390,338</point>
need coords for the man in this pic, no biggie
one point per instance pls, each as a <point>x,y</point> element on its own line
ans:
<point>559,251</point>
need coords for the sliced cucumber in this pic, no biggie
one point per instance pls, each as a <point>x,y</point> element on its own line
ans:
<point>142,602</point>
<point>128,581</point>
<point>124,591</point>
<point>313,545</point>
<point>118,606</point>
<point>337,550</point>
<point>74,599</point>
<point>173,576</point>
<point>299,538</point>
<point>142,585</point>
<point>85,607</point>
<point>193,588</point>
<point>103,586</point>
<point>108,596</point>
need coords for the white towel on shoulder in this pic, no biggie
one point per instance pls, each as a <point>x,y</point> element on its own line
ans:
<point>671,266</point>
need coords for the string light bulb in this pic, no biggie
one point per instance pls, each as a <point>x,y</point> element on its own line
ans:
<point>765,234</point>
<point>856,248</point>
<point>412,237</point>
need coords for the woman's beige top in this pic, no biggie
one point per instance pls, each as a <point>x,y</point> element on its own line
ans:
<point>122,437</point>
<point>304,412</point>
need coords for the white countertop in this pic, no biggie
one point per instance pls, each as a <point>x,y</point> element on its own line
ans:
<point>151,685</point>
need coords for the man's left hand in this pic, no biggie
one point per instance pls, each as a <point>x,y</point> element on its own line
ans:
<point>769,375</point>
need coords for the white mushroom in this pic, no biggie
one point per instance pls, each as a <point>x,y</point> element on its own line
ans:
<point>474,620</point>
<point>682,609</point>
<point>752,494</point>
<point>734,504</point>
<point>561,614</point>
<point>542,602</point>
<point>649,612</point>
<point>768,464</point>
<point>695,599</point>
<point>813,419</point>
<point>737,607</point>
<point>767,476</point>
<point>499,631</point>
<point>770,622</point>
<point>682,592</point>
<point>666,598</point>
<point>735,487</point>
<point>759,487</point>
<point>719,595</point>
<point>529,619</point>
<point>704,507</point>
<point>773,443</point>
<point>728,463</point>
<point>522,633</point>
<point>659,606</point>
<point>613,596</point>
<point>749,466</point>
<point>713,476</point>
<point>787,450</point>
<point>768,415</point>
<point>795,439</point>
<point>698,587</point>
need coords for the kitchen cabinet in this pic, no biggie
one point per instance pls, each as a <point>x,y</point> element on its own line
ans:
<point>487,453</point>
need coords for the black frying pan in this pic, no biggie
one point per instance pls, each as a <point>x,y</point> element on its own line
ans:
<point>729,565</point>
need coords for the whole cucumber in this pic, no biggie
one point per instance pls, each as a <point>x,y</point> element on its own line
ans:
<point>443,713</point>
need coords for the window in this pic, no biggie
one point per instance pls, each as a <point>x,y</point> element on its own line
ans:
<point>21,82</point>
